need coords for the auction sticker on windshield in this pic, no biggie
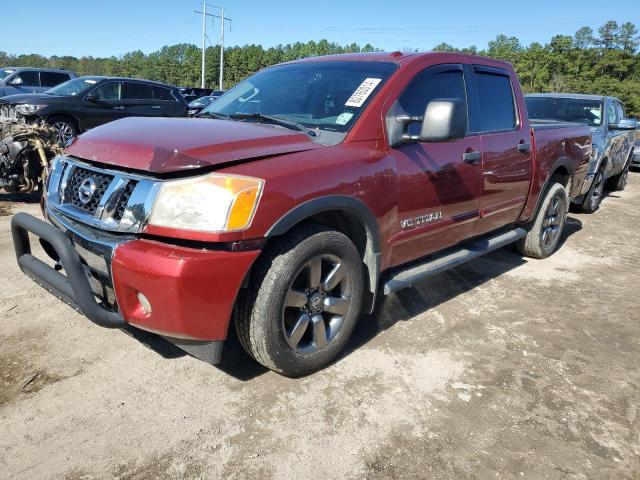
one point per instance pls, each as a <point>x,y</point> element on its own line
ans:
<point>362,92</point>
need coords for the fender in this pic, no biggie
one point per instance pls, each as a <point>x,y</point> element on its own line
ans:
<point>560,162</point>
<point>355,207</point>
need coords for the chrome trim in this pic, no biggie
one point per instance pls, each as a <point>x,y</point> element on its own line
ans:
<point>137,209</point>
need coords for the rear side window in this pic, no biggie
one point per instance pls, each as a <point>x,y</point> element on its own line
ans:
<point>620,111</point>
<point>612,113</point>
<point>495,101</point>
<point>51,79</point>
<point>29,79</point>
<point>136,91</point>
<point>161,93</point>
<point>430,84</point>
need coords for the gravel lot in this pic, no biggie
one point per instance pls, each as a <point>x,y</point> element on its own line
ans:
<point>503,368</point>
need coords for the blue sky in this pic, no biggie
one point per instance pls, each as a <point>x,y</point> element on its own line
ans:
<point>114,27</point>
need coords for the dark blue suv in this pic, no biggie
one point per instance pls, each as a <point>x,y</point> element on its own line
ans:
<point>16,80</point>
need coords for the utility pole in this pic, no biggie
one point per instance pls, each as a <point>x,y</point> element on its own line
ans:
<point>204,35</point>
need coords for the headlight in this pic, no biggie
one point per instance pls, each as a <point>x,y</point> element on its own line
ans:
<point>28,108</point>
<point>209,203</point>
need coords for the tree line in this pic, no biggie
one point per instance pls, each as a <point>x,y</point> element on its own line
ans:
<point>605,62</point>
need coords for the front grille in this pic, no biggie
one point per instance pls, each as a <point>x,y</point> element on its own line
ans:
<point>72,193</point>
<point>124,200</point>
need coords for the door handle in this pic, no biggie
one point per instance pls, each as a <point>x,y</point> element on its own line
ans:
<point>524,147</point>
<point>157,107</point>
<point>118,107</point>
<point>471,157</point>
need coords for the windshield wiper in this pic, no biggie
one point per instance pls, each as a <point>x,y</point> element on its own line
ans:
<point>212,114</point>
<point>273,120</point>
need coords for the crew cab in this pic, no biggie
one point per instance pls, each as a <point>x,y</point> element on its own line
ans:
<point>296,198</point>
<point>613,136</point>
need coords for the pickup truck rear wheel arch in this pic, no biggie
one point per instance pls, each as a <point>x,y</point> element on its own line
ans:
<point>346,215</point>
<point>561,172</point>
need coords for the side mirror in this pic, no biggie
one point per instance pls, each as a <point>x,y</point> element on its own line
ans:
<point>16,81</point>
<point>444,119</point>
<point>624,124</point>
<point>92,97</point>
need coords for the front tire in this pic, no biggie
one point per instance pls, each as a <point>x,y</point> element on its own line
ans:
<point>65,129</point>
<point>544,235</point>
<point>303,301</point>
<point>618,182</point>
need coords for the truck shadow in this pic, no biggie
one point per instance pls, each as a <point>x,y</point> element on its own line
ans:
<point>401,306</point>
<point>405,304</point>
<point>20,197</point>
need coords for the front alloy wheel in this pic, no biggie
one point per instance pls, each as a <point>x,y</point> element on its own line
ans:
<point>316,303</point>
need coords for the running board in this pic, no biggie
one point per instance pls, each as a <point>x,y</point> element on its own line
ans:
<point>438,264</point>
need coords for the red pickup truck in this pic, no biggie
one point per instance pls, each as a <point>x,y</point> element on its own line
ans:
<point>297,197</point>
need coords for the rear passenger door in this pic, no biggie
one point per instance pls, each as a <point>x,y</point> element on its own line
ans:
<point>506,152</point>
<point>138,100</point>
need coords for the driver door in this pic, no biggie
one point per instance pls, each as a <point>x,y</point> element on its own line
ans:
<point>107,107</point>
<point>438,184</point>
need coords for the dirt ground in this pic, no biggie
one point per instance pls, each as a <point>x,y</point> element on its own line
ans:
<point>503,368</point>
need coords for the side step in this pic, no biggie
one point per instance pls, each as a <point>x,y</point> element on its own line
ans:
<point>451,258</point>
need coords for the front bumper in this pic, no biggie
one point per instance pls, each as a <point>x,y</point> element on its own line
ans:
<point>188,293</point>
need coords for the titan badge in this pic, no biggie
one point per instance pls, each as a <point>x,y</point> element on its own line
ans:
<point>420,220</point>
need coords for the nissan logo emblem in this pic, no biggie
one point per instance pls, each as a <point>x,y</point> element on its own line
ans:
<point>86,190</point>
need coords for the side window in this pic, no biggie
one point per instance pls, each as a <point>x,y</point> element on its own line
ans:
<point>29,79</point>
<point>136,91</point>
<point>51,79</point>
<point>620,111</point>
<point>432,83</point>
<point>612,114</point>
<point>495,101</point>
<point>161,93</point>
<point>109,91</point>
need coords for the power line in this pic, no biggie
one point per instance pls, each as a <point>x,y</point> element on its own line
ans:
<point>204,36</point>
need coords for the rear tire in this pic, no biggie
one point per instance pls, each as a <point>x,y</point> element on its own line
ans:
<point>303,301</point>
<point>544,235</point>
<point>593,197</point>
<point>618,182</point>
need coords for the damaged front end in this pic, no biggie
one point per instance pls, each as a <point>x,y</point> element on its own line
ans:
<point>25,152</point>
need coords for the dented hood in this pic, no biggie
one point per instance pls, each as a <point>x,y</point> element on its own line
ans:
<point>165,145</point>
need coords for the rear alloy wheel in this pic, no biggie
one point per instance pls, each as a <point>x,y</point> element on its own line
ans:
<point>303,300</point>
<point>544,235</point>
<point>594,196</point>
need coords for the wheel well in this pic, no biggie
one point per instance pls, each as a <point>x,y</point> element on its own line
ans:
<point>65,117</point>
<point>561,175</point>
<point>353,227</point>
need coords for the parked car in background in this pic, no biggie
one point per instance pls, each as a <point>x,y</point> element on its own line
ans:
<point>636,155</point>
<point>198,104</point>
<point>299,195</point>
<point>86,102</point>
<point>16,80</point>
<point>613,138</point>
<point>193,93</point>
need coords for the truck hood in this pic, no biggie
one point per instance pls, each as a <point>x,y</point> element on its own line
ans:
<point>167,145</point>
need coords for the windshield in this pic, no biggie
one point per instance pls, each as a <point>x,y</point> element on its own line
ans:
<point>326,97</point>
<point>5,73</point>
<point>73,87</point>
<point>574,110</point>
